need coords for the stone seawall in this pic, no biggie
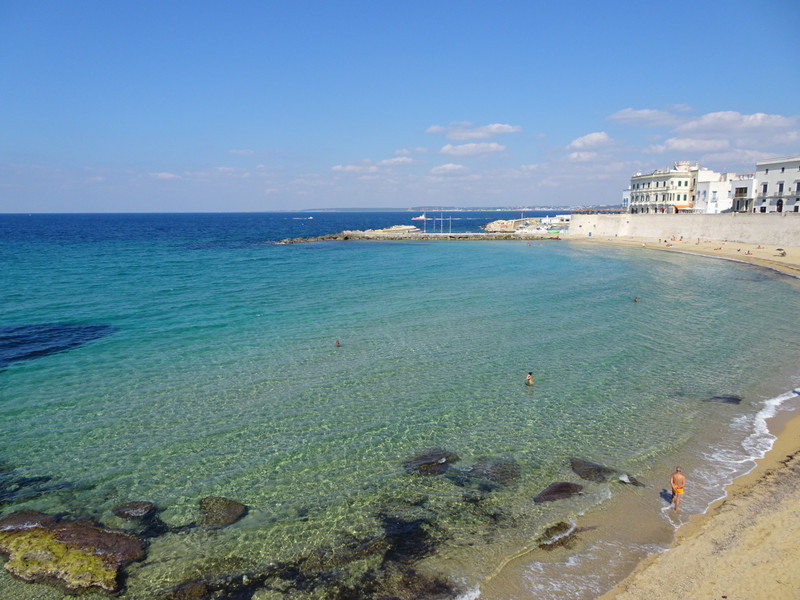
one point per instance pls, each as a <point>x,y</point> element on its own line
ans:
<point>781,229</point>
<point>378,235</point>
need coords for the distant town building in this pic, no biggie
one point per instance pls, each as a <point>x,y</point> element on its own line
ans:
<point>777,185</point>
<point>668,191</point>
<point>687,188</point>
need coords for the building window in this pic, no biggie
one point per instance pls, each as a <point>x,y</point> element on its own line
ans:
<point>780,187</point>
<point>764,189</point>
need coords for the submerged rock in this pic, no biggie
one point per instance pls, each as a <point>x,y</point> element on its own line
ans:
<point>629,480</point>
<point>558,491</point>
<point>79,555</point>
<point>17,489</point>
<point>554,533</point>
<point>503,471</point>
<point>219,512</point>
<point>145,514</point>
<point>590,471</point>
<point>726,399</point>
<point>599,473</point>
<point>434,461</point>
<point>135,511</point>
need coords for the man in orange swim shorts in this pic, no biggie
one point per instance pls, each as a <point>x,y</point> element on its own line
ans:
<point>677,482</point>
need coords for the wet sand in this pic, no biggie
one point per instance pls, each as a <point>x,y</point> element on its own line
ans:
<point>744,545</point>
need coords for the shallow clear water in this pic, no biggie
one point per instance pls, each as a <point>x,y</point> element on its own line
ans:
<point>217,375</point>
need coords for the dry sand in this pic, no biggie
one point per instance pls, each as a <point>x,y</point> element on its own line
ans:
<point>746,545</point>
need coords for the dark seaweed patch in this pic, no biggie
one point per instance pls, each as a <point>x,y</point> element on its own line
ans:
<point>14,488</point>
<point>26,342</point>
<point>407,540</point>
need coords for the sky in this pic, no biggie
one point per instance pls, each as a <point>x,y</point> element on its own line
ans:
<point>173,106</point>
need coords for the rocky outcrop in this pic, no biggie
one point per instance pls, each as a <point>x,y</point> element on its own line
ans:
<point>434,461</point>
<point>590,471</point>
<point>78,555</point>
<point>219,512</point>
<point>558,491</point>
<point>144,515</point>
<point>599,473</point>
<point>391,234</point>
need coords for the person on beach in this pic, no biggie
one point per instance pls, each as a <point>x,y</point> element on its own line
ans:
<point>529,378</point>
<point>677,481</point>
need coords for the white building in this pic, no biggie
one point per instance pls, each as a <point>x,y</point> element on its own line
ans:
<point>743,191</point>
<point>668,191</point>
<point>717,196</point>
<point>777,185</point>
<point>690,188</point>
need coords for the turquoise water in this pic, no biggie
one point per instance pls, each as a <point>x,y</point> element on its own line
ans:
<point>218,375</point>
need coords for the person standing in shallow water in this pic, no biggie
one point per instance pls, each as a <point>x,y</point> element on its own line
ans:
<point>529,378</point>
<point>677,481</point>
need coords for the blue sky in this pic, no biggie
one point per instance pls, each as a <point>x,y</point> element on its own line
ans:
<point>258,106</point>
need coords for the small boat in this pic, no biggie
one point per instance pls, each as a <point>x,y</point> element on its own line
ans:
<point>422,217</point>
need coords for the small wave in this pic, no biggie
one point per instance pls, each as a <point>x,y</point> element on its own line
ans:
<point>761,440</point>
<point>470,594</point>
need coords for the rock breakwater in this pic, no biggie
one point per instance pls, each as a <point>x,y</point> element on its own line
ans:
<point>413,234</point>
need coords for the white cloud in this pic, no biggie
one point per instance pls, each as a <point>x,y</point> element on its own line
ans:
<point>95,179</point>
<point>165,176</point>
<point>582,156</point>
<point>449,169</point>
<point>393,162</point>
<point>465,131</point>
<point>590,140</point>
<point>410,151</point>
<point>690,145</point>
<point>730,124</point>
<point>647,117</point>
<point>242,152</point>
<point>354,168</point>
<point>473,149</point>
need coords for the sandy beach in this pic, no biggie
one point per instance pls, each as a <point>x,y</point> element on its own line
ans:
<point>763,255</point>
<point>745,545</point>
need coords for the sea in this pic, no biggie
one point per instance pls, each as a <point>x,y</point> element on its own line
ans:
<point>168,358</point>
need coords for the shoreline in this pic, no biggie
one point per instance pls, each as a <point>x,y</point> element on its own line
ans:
<point>744,544</point>
<point>760,255</point>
